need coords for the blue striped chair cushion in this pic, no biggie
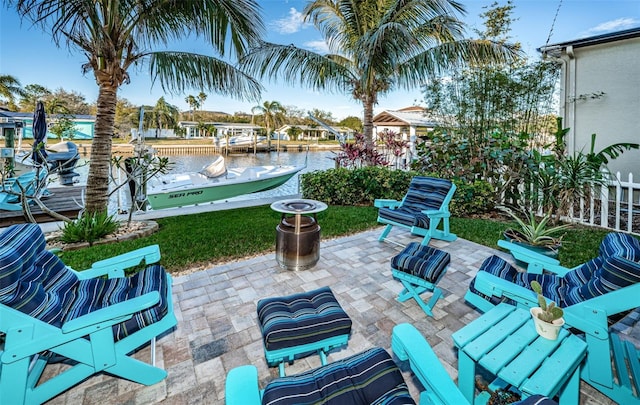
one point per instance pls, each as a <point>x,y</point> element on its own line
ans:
<point>301,318</point>
<point>580,276</point>
<point>36,282</point>
<point>422,261</point>
<point>616,272</point>
<point>19,247</point>
<point>405,216</point>
<point>425,193</point>
<point>366,378</point>
<point>97,293</point>
<point>620,244</point>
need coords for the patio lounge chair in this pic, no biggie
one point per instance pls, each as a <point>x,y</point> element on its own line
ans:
<point>422,210</point>
<point>365,378</point>
<point>13,188</point>
<point>51,313</point>
<point>592,295</point>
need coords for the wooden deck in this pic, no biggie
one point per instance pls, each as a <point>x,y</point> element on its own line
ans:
<point>64,200</point>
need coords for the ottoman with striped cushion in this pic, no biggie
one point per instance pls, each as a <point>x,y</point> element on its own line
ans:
<point>370,377</point>
<point>419,268</point>
<point>300,324</point>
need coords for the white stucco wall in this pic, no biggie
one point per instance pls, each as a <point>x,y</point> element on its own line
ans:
<point>614,69</point>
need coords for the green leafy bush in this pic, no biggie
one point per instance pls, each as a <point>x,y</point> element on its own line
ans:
<point>359,186</point>
<point>89,228</point>
<point>363,185</point>
<point>477,197</point>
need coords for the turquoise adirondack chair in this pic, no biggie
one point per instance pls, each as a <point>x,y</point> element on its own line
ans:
<point>365,378</point>
<point>27,183</point>
<point>93,319</point>
<point>593,295</point>
<point>422,210</point>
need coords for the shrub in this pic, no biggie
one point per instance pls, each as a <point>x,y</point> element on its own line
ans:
<point>474,198</point>
<point>362,186</point>
<point>355,187</point>
<point>89,228</point>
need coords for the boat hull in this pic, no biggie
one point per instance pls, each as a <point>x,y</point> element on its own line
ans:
<point>205,193</point>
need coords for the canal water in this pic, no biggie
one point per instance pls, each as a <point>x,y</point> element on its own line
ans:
<point>315,160</point>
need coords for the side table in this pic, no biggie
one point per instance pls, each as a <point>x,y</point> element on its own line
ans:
<point>298,233</point>
<point>505,343</point>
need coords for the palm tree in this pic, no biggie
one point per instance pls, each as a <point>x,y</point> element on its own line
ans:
<point>164,113</point>
<point>116,35</point>
<point>376,46</point>
<point>201,98</point>
<point>10,88</point>
<point>272,113</point>
<point>193,104</point>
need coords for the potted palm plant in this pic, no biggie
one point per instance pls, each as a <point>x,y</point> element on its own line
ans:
<point>548,318</point>
<point>533,233</point>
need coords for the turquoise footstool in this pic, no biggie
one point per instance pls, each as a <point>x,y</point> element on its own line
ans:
<point>301,324</point>
<point>419,268</point>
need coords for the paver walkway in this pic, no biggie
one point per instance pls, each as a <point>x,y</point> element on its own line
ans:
<point>217,327</point>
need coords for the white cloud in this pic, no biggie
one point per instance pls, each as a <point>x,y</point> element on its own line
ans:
<point>290,24</point>
<point>318,46</point>
<point>614,25</point>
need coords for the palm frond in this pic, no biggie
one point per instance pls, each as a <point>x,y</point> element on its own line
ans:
<point>178,71</point>
<point>297,65</point>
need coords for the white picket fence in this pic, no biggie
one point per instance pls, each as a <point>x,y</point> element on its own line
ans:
<point>619,203</point>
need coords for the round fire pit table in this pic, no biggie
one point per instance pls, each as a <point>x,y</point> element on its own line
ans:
<point>298,233</point>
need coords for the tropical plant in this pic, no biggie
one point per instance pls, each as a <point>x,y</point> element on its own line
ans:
<point>272,114</point>
<point>63,126</point>
<point>358,154</point>
<point>376,47</point>
<point>193,104</point>
<point>10,88</point>
<point>550,312</point>
<point>534,231</point>
<point>165,115</point>
<point>117,35</point>
<point>90,227</point>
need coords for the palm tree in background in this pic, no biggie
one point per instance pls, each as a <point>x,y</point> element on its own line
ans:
<point>193,104</point>
<point>10,88</point>
<point>165,115</point>
<point>272,114</point>
<point>201,99</point>
<point>118,34</point>
<point>376,46</point>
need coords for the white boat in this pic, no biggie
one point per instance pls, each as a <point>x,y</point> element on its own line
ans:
<point>240,140</point>
<point>215,182</point>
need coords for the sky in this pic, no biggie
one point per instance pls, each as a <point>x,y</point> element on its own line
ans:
<point>30,55</point>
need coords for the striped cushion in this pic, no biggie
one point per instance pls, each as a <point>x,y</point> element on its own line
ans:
<point>97,293</point>
<point>405,216</point>
<point>616,273</point>
<point>19,246</point>
<point>36,282</point>
<point>584,273</point>
<point>367,378</point>
<point>552,285</point>
<point>302,318</point>
<point>421,261</point>
<point>425,193</point>
<point>620,244</point>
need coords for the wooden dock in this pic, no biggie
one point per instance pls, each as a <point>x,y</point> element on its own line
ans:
<point>64,200</point>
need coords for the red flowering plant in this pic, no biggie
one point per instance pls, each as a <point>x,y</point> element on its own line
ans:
<point>358,154</point>
<point>394,146</point>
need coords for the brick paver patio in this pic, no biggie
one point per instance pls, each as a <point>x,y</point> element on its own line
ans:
<point>217,326</point>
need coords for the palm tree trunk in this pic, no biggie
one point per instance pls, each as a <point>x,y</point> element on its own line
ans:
<point>97,197</point>
<point>368,120</point>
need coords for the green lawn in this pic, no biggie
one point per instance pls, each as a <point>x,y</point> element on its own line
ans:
<point>216,237</point>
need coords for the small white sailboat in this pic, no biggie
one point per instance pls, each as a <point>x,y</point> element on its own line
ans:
<point>215,182</point>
